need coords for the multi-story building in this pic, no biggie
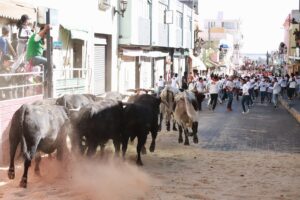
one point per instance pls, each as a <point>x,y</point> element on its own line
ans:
<point>291,37</point>
<point>154,39</point>
<point>224,37</point>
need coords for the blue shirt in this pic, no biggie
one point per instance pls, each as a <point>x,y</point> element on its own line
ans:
<point>3,45</point>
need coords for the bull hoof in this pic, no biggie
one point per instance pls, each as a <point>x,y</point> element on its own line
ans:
<point>143,150</point>
<point>175,129</point>
<point>186,142</point>
<point>139,163</point>
<point>23,182</point>
<point>11,174</point>
<point>180,140</point>
<point>152,148</point>
<point>195,140</point>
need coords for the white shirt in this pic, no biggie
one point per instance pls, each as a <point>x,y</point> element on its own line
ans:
<point>283,82</point>
<point>229,85</point>
<point>161,83</point>
<point>292,84</point>
<point>174,82</point>
<point>245,89</point>
<point>213,87</point>
<point>263,87</point>
<point>276,88</point>
<point>200,86</point>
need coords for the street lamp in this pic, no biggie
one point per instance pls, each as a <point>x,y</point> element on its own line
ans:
<point>122,6</point>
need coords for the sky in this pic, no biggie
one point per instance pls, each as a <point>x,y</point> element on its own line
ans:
<point>262,20</point>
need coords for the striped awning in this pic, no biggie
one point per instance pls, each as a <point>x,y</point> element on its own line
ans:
<point>14,10</point>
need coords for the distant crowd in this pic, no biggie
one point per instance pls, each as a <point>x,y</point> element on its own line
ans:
<point>265,89</point>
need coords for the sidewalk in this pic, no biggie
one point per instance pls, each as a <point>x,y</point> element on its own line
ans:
<point>292,106</point>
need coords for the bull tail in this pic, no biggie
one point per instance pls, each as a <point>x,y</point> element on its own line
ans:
<point>23,141</point>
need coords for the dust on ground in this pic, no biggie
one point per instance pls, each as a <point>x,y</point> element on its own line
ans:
<point>174,171</point>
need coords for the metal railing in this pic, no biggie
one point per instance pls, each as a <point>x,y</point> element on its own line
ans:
<point>20,85</point>
<point>69,81</point>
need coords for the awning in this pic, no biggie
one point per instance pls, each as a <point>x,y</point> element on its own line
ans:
<point>14,10</point>
<point>77,34</point>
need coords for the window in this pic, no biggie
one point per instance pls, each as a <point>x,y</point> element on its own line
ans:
<point>179,20</point>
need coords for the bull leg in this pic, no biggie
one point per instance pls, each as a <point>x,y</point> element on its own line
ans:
<point>174,125</point>
<point>144,150</point>
<point>168,125</point>
<point>141,143</point>
<point>27,164</point>
<point>195,130</point>
<point>160,121</point>
<point>92,146</point>
<point>38,159</point>
<point>186,134</point>
<point>152,146</point>
<point>124,146</point>
<point>13,148</point>
<point>28,157</point>
<point>180,140</point>
<point>117,147</point>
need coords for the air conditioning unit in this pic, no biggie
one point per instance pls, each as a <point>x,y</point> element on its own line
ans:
<point>104,4</point>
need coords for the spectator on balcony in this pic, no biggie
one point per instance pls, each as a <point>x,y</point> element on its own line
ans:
<point>5,81</point>
<point>24,33</point>
<point>5,44</point>
<point>36,48</point>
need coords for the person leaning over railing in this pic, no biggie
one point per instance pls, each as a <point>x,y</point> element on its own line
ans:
<point>5,81</point>
<point>36,48</point>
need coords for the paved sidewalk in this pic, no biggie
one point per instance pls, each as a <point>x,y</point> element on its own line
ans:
<point>292,106</point>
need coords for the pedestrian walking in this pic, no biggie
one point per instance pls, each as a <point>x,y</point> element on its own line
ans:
<point>213,88</point>
<point>160,85</point>
<point>276,91</point>
<point>263,90</point>
<point>245,96</point>
<point>229,90</point>
<point>291,88</point>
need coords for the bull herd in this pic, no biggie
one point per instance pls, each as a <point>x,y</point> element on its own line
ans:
<point>90,121</point>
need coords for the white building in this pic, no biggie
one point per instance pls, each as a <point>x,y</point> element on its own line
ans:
<point>155,38</point>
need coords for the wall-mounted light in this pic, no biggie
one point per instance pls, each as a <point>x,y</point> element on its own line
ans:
<point>122,8</point>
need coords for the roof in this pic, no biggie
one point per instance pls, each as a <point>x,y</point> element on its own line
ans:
<point>14,10</point>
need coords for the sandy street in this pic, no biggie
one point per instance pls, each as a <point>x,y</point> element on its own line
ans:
<point>174,171</point>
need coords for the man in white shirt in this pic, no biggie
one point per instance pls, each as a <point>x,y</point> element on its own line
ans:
<point>276,90</point>
<point>199,93</point>
<point>213,88</point>
<point>174,81</point>
<point>229,90</point>
<point>263,90</point>
<point>245,97</point>
<point>160,85</point>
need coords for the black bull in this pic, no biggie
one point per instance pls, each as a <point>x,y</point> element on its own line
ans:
<point>37,128</point>
<point>110,119</point>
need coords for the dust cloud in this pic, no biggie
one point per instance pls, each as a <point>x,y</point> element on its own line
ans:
<point>113,179</point>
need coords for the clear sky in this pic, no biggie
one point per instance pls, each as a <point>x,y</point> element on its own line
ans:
<point>262,20</point>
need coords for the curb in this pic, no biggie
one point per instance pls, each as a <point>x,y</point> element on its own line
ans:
<point>291,110</point>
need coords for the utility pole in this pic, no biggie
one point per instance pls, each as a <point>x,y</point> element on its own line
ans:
<point>48,70</point>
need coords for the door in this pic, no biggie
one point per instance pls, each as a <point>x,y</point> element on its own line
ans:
<point>99,69</point>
